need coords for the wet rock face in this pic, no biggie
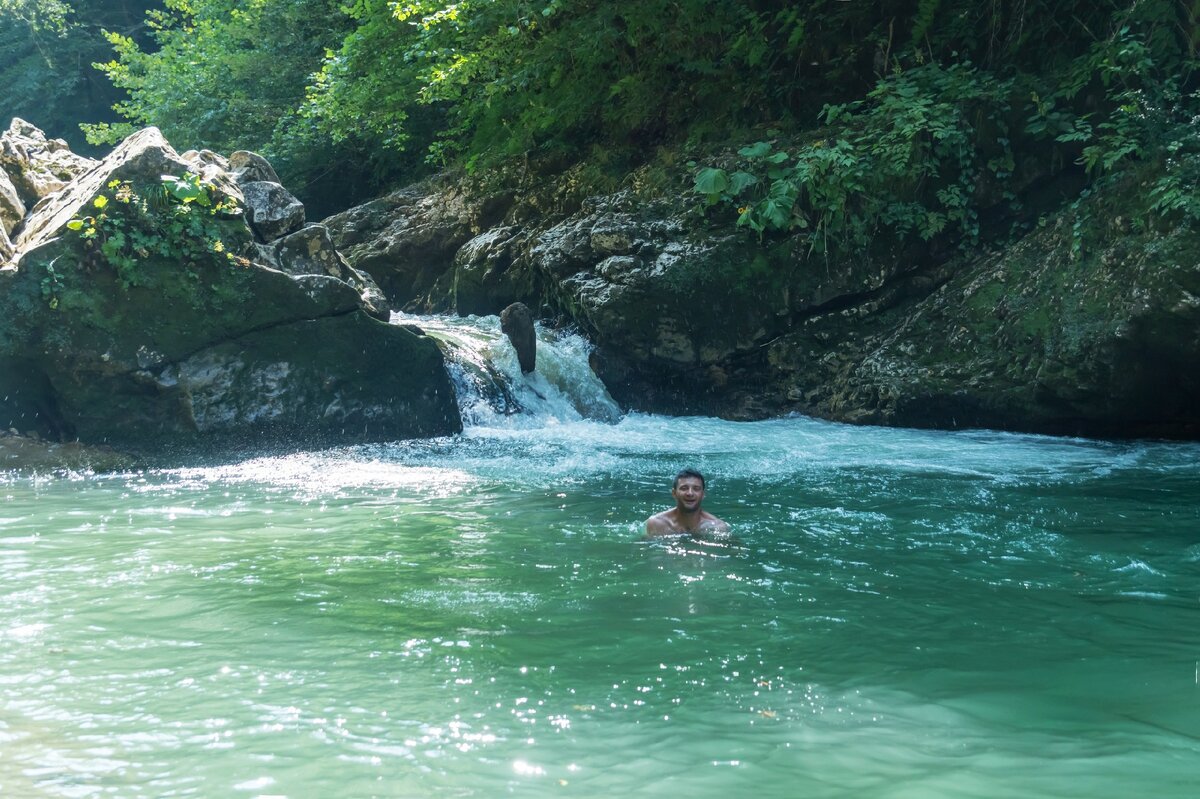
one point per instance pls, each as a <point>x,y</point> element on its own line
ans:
<point>221,353</point>
<point>484,277</point>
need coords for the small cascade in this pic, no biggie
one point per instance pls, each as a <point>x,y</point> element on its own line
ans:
<point>492,391</point>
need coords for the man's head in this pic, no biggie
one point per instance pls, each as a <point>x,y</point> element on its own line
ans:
<point>688,490</point>
<point>687,473</point>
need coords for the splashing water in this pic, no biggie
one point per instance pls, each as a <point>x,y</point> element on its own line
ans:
<point>491,389</point>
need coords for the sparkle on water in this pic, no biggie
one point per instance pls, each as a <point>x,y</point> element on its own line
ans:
<point>908,614</point>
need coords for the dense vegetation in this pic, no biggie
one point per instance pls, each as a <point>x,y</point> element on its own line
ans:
<point>851,118</point>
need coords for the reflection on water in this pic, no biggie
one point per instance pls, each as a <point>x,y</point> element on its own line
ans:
<point>908,614</point>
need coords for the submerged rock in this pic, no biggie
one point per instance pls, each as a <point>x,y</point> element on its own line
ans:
<point>114,331</point>
<point>33,453</point>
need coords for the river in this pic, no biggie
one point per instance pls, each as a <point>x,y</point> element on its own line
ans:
<point>905,614</point>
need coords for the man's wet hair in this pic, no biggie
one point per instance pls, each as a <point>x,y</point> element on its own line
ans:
<point>688,473</point>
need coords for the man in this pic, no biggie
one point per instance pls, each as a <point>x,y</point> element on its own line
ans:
<point>687,517</point>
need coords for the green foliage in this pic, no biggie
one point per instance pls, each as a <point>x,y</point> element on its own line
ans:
<point>229,75</point>
<point>907,159</point>
<point>46,52</point>
<point>1144,114</point>
<point>177,221</point>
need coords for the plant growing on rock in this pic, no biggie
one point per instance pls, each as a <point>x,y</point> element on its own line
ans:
<point>177,220</point>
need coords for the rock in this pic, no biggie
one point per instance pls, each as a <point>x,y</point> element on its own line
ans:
<point>6,248</point>
<point>517,323</point>
<point>248,167</point>
<point>407,240</point>
<point>30,453</point>
<point>206,352</point>
<point>203,158</point>
<point>12,210</point>
<point>310,382</point>
<point>142,159</point>
<point>272,210</point>
<point>310,251</point>
<point>36,165</point>
<point>484,281</point>
<point>690,315</point>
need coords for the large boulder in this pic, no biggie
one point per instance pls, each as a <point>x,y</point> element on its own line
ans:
<point>113,332</point>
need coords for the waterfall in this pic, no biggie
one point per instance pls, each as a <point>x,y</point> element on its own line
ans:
<point>492,391</point>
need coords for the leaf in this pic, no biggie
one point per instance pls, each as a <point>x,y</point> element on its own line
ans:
<point>75,224</point>
<point>711,181</point>
<point>757,150</point>
<point>740,181</point>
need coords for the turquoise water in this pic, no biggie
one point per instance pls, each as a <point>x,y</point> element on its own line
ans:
<point>910,614</point>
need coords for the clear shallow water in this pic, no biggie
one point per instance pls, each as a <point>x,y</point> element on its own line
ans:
<point>910,614</point>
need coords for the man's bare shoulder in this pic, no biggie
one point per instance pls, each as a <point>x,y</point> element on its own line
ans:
<point>661,524</point>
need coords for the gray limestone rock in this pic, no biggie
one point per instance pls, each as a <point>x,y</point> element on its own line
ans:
<point>271,209</point>
<point>36,165</point>
<point>248,167</point>
<point>209,353</point>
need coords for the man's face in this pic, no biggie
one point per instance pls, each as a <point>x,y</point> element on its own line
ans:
<point>688,493</point>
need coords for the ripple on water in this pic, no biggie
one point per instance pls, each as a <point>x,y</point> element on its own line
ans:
<point>908,613</point>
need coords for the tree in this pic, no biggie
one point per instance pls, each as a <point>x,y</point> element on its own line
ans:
<point>47,48</point>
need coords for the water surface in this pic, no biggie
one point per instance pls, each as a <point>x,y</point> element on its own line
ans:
<point>909,614</point>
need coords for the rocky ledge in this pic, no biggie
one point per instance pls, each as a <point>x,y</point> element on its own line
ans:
<point>192,312</point>
<point>1088,323</point>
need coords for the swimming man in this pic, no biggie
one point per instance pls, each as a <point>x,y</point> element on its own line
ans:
<point>687,517</point>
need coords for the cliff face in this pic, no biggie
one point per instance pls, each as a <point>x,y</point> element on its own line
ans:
<point>196,313</point>
<point>1086,324</point>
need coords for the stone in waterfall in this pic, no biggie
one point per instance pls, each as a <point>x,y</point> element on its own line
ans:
<point>517,323</point>
<point>182,344</point>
